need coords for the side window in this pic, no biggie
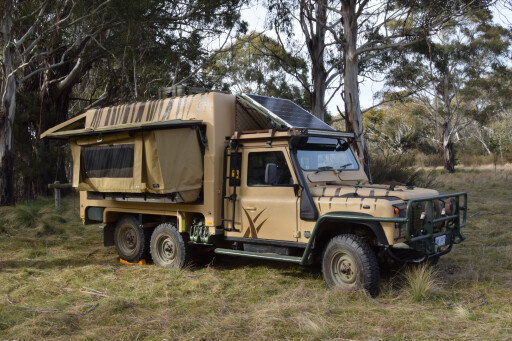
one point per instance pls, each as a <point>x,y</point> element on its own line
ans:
<point>257,163</point>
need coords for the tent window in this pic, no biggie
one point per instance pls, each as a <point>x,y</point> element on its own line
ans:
<point>108,161</point>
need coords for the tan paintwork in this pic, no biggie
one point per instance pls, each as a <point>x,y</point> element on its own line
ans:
<point>266,212</point>
<point>263,212</point>
<point>371,191</point>
<point>374,200</point>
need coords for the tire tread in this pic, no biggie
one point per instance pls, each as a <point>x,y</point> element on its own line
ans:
<point>184,247</point>
<point>370,266</point>
<point>143,251</point>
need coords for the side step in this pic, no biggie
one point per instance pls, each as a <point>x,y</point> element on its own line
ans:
<point>268,256</point>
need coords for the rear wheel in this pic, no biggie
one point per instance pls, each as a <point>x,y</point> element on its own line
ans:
<point>131,240</point>
<point>167,247</point>
<point>349,263</point>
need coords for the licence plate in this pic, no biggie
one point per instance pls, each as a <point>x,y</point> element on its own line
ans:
<point>441,240</point>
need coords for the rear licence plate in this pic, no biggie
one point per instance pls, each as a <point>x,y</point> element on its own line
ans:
<point>440,241</point>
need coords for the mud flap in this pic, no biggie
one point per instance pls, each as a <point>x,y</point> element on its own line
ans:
<point>108,234</point>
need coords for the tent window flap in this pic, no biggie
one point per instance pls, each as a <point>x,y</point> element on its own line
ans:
<point>114,161</point>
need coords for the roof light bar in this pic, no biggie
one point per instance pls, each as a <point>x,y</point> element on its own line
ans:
<point>337,134</point>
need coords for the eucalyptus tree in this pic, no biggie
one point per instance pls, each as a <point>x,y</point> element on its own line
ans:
<point>454,75</point>
<point>365,34</point>
<point>252,63</point>
<point>311,17</point>
<point>31,34</point>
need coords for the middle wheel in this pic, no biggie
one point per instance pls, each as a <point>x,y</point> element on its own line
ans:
<point>167,247</point>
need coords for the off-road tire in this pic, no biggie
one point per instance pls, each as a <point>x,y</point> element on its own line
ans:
<point>349,263</point>
<point>131,239</point>
<point>167,247</point>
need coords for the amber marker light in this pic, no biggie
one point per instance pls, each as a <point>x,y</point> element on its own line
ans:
<point>397,210</point>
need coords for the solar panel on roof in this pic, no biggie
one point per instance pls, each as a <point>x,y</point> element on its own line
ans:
<point>292,114</point>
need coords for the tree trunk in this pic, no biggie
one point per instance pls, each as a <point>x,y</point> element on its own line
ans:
<point>319,77</point>
<point>6,177</point>
<point>316,48</point>
<point>449,156</point>
<point>6,139</point>
<point>351,86</point>
<point>7,111</point>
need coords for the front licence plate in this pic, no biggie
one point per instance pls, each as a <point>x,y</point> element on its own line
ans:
<point>441,240</point>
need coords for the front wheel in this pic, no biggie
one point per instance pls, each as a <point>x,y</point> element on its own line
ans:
<point>349,263</point>
<point>167,247</point>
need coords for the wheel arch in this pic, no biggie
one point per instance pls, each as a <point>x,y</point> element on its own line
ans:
<point>329,225</point>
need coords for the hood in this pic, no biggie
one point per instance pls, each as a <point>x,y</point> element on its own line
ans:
<point>371,191</point>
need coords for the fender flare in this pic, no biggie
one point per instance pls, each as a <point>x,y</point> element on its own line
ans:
<point>373,223</point>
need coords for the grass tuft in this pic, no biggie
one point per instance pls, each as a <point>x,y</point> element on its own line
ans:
<point>25,215</point>
<point>462,312</point>
<point>421,281</point>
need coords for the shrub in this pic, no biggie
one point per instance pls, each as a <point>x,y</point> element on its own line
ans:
<point>399,168</point>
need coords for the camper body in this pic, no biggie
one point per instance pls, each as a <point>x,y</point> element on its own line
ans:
<point>249,176</point>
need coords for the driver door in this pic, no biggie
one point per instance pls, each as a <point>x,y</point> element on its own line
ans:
<point>268,210</point>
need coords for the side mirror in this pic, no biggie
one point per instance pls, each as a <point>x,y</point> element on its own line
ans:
<point>296,188</point>
<point>342,146</point>
<point>270,174</point>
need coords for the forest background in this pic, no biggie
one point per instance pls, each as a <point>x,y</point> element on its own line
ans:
<point>445,68</point>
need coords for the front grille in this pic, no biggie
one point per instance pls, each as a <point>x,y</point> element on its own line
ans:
<point>415,218</point>
<point>421,208</point>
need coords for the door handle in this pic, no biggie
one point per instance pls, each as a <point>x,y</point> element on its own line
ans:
<point>250,208</point>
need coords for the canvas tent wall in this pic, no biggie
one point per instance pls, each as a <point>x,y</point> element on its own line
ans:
<point>167,161</point>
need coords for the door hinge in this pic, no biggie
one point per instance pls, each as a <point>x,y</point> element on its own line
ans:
<point>296,234</point>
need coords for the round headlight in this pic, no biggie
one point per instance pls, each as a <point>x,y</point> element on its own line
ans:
<point>450,206</point>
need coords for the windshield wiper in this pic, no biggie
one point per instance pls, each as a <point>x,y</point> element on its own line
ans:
<point>325,168</point>
<point>345,166</point>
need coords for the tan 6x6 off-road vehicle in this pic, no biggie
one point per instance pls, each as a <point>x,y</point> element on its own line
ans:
<point>250,176</point>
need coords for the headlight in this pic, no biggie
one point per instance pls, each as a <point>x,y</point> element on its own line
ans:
<point>450,207</point>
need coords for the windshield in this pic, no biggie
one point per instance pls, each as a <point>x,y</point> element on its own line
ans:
<point>320,153</point>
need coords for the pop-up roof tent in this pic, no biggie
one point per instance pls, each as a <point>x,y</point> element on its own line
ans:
<point>137,148</point>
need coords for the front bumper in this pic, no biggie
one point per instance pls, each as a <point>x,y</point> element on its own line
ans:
<point>434,233</point>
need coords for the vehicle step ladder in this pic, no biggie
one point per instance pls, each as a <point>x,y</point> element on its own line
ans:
<point>229,179</point>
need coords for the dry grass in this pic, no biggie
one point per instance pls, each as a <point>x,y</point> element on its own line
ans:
<point>421,281</point>
<point>58,282</point>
